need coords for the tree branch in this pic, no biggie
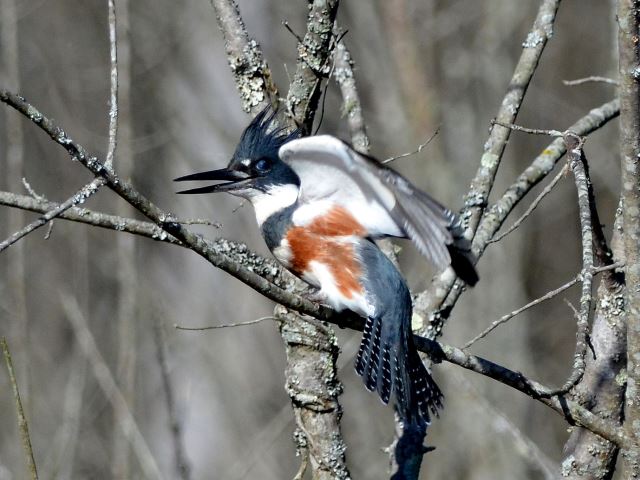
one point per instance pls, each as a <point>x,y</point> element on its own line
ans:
<point>477,198</point>
<point>246,61</point>
<point>23,425</point>
<point>532,48</point>
<point>586,455</point>
<point>629,92</point>
<point>428,303</point>
<point>578,163</point>
<point>79,197</point>
<point>312,65</point>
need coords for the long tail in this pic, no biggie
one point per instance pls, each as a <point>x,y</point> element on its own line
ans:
<point>389,363</point>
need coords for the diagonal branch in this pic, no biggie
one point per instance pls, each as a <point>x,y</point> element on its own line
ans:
<point>246,61</point>
<point>628,16</point>
<point>477,198</point>
<point>532,48</point>
<point>23,425</point>
<point>79,197</point>
<point>428,303</point>
<point>312,65</point>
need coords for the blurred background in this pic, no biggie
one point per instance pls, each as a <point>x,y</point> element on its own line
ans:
<point>420,65</point>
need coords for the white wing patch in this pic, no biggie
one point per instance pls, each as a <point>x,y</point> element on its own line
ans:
<point>384,202</point>
<point>333,177</point>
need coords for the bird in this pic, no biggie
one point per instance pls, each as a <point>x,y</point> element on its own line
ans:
<point>320,206</point>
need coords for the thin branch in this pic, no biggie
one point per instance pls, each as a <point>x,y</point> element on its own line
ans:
<point>592,78</point>
<point>538,301</point>
<point>546,191</point>
<point>23,425</point>
<point>228,325</point>
<point>200,221</point>
<point>89,217</point>
<point>477,198</point>
<point>571,411</point>
<point>79,197</point>
<point>532,131</point>
<point>598,391</point>
<point>113,90</point>
<point>429,304</point>
<point>578,162</point>
<point>109,386</point>
<point>533,46</point>
<point>416,151</point>
<point>181,465</point>
<point>31,190</point>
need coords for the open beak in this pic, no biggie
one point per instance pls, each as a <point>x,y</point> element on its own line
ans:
<point>235,180</point>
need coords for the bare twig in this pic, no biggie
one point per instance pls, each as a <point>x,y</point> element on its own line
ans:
<point>200,221</point>
<point>181,465</point>
<point>538,301</point>
<point>31,190</point>
<point>228,325</point>
<point>89,217</point>
<point>80,197</point>
<point>601,390</point>
<point>532,131</point>
<point>416,151</point>
<point>592,78</point>
<point>286,25</point>
<point>429,303</point>
<point>108,385</point>
<point>113,90</point>
<point>546,191</point>
<point>23,425</point>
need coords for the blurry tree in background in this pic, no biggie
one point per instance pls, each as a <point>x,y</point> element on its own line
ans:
<point>146,91</point>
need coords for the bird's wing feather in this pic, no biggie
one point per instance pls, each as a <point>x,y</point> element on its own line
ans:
<point>382,200</point>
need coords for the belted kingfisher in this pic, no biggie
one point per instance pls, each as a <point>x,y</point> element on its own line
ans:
<point>320,204</point>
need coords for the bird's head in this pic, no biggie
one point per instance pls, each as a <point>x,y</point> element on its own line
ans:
<point>255,171</point>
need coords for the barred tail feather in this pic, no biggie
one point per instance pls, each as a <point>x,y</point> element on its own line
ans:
<point>390,365</point>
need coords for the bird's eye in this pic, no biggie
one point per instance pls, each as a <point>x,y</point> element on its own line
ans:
<point>262,165</point>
